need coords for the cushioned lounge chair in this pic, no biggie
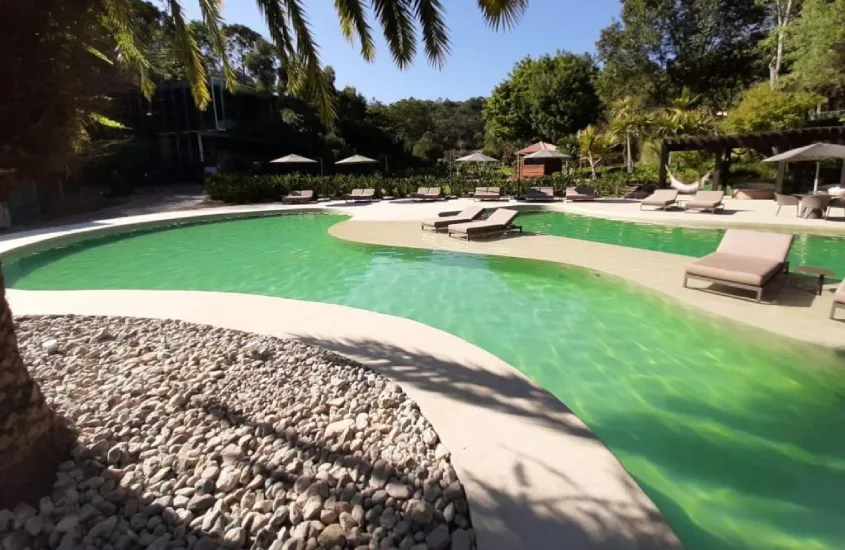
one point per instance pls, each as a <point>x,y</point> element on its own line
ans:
<point>432,194</point>
<point>706,201</point>
<point>464,216</point>
<point>487,194</point>
<point>298,197</point>
<point>581,193</point>
<point>744,259</point>
<point>540,194</point>
<point>420,194</point>
<point>361,195</point>
<point>660,199</point>
<point>499,223</point>
<point>838,299</point>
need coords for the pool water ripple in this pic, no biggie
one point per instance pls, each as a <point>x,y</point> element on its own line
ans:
<point>735,434</point>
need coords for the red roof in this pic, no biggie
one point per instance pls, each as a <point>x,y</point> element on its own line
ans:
<point>539,146</point>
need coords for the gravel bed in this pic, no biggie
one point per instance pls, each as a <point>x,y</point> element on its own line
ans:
<point>191,436</point>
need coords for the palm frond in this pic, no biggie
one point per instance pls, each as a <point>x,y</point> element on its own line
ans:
<point>353,22</point>
<point>502,13</point>
<point>435,33</point>
<point>300,56</point>
<point>190,54</point>
<point>398,26</point>
<point>103,120</point>
<point>120,18</point>
<point>213,19</point>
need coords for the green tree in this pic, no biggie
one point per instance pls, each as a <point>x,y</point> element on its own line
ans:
<point>683,116</point>
<point>629,122</point>
<point>782,14</point>
<point>762,108</point>
<point>546,98</point>
<point>663,46</point>
<point>817,54</point>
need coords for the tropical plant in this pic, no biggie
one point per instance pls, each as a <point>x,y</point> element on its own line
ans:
<point>594,145</point>
<point>683,116</point>
<point>629,121</point>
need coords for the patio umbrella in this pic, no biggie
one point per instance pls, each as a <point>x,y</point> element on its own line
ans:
<point>817,152</point>
<point>296,159</point>
<point>476,157</point>
<point>357,159</point>
<point>547,154</point>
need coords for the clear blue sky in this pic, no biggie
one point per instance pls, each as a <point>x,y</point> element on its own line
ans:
<point>480,57</point>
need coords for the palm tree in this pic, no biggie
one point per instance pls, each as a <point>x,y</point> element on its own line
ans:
<point>629,120</point>
<point>31,435</point>
<point>683,116</point>
<point>290,31</point>
<point>594,144</point>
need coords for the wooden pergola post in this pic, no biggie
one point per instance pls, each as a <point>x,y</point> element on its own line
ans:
<point>664,161</point>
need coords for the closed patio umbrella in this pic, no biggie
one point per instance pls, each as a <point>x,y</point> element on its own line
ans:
<point>817,152</point>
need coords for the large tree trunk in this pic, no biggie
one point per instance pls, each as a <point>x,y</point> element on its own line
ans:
<point>33,439</point>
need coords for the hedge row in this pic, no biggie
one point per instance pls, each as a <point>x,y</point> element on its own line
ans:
<point>245,188</point>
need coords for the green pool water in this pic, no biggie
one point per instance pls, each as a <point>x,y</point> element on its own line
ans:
<point>737,436</point>
<point>813,250</point>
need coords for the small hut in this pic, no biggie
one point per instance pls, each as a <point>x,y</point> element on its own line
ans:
<point>537,167</point>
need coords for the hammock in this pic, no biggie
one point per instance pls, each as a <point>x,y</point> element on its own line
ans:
<point>687,188</point>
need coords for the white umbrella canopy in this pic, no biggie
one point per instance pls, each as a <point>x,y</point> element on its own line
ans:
<point>476,157</point>
<point>816,152</point>
<point>547,154</point>
<point>293,159</point>
<point>357,159</point>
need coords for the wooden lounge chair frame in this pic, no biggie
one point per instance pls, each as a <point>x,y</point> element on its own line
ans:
<point>666,204</point>
<point>291,198</point>
<point>728,247</point>
<point>689,205</point>
<point>758,290</point>
<point>494,230</point>
<point>427,225</point>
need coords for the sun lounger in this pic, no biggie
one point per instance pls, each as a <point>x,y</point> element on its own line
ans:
<point>487,194</point>
<point>464,216</point>
<point>420,194</point>
<point>838,299</point>
<point>360,195</point>
<point>661,199</point>
<point>580,193</point>
<point>432,194</point>
<point>706,201</point>
<point>540,194</point>
<point>744,259</point>
<point>499,223</point>
<point>298,197</point>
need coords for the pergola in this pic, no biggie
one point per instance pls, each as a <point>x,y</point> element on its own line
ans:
<point>722,147</point>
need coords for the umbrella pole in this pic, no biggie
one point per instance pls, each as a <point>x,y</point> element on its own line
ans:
<point>816,182</point>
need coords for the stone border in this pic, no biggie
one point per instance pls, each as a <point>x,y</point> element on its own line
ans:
<point>535,475</point>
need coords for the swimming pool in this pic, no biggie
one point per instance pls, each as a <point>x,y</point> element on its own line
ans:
<point>735,435</point>
<point>813,250</point>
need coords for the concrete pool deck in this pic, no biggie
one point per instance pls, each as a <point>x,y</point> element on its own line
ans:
<point>534,473</point>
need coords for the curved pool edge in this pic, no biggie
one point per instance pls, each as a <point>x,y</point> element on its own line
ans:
<point>797,315</point>
<point>534,473</point>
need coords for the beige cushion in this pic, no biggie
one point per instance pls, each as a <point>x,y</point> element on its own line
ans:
<point>734,268</point>
<point>499,219</point>
<point>759,244</point>
<point>661,197</point>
